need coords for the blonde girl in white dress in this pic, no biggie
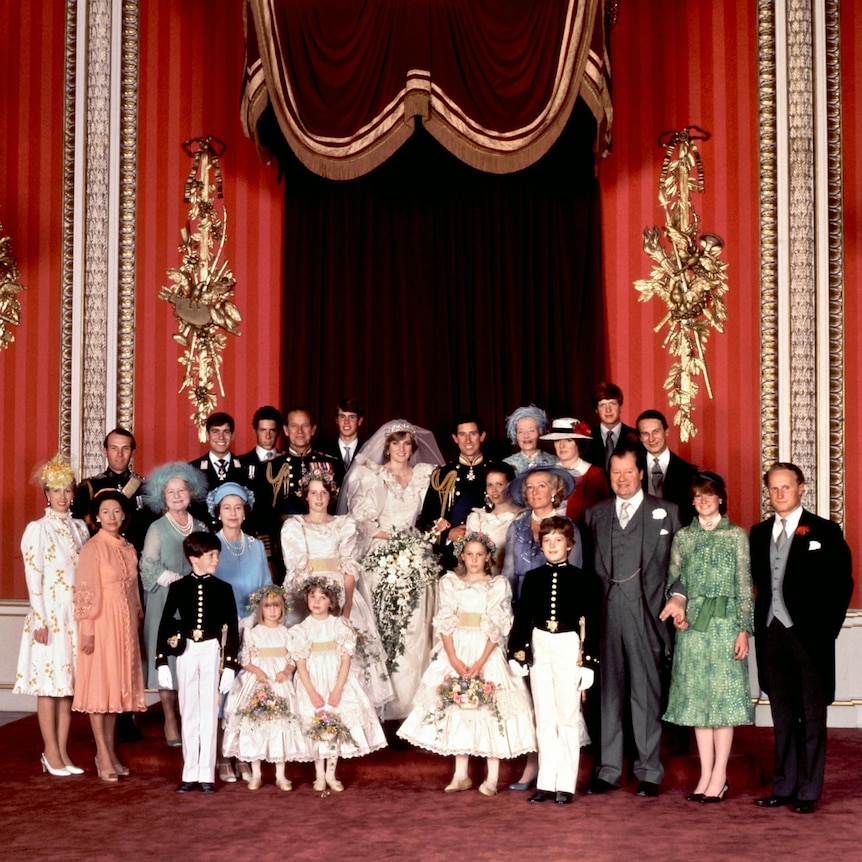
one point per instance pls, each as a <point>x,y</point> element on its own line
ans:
<point>266,660</point>
<point>49,643</point>
<point>472,623</point>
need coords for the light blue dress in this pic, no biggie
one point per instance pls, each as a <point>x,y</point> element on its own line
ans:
<point>243,565</point>
<point>163,552</point>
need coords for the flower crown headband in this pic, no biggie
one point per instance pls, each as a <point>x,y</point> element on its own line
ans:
<point>481,538</point>
<point>265,592</point>
<point>323,582</point>
<point>319,474</point>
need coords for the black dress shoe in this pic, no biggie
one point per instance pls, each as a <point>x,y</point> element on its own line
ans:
<point>187,787</point>
<point>564,798</point>
<point>805,806</point>
<point>599,786</point>
<point>541,796</point>
<point>648,788</point>
<point>207,787</point>
<point>695,797</point>
<point>774,801</point>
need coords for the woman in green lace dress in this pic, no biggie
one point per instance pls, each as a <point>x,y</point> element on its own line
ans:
<point>710,688</point>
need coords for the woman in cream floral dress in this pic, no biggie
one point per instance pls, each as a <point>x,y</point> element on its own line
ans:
<point>46,662</point>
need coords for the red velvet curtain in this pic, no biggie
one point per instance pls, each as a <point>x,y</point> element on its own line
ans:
<point>494,81</point>
<point>427,288</point>
<point>420,284</point>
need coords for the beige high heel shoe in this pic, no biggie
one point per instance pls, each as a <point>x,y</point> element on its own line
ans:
<point>105,776</point>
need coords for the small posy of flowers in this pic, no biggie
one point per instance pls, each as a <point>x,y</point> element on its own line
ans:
<point>803,530</point>
<point>265,705</point>
<point>328,726</point>
<point>465,692</point>
<point>402,567</point>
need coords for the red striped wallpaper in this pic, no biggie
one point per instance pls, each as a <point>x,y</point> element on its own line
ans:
<point>707,77</point>
<point>31,144</point>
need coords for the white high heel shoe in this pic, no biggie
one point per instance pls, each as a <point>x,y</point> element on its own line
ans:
<point>46,767</point>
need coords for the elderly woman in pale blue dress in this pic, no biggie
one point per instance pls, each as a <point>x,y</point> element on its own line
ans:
<point>524,428</point>
<point>242,564</point>
<point>709,689</point>
<point>169,492</point>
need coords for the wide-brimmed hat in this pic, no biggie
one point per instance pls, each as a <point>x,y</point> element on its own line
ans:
<point>568,428</point>
<point>516,483</point>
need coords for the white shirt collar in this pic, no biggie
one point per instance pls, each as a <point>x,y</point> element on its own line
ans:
<point>261,453</point>
<point>792,523</point>
<point>615,431</point>
<point>214,459</point>
<point>347,447</point>
<point>663,460</point>
<point>634,501</point>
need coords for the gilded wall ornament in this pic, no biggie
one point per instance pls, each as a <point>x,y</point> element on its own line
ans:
<point>10,308</point>
<point>689,277</point>
<point>203,285</point>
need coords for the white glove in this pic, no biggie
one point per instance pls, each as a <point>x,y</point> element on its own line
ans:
<point>165,679</point>
<point>166,578</point>
<point>585,678</point>
<point>226,681</point>
<point>518,669</point>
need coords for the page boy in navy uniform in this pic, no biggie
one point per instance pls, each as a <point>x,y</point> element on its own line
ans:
<point>558,603</point>
<point>204,638</point>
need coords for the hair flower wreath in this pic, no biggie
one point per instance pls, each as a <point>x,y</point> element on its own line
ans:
<point>481,538</point>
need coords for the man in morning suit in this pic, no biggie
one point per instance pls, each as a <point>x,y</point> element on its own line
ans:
<point>267,424</point>
<point>458,487</point>
<point>218,464</point>
<point>801,569</point>
<point>631,537</point>
<point>349,416</point>
<point>611,431</point>
<point>667,475</point>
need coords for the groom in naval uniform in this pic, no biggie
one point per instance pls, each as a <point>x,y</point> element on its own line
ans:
<point>631,537</point>
<point>801,569</point>
<point>458,487</point>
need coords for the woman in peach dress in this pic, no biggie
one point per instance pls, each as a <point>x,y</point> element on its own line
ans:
<point>110,678</point>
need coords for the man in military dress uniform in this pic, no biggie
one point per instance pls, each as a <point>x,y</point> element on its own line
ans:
<point>118,448</point>
<point>285,472</point>
<point>458,487</point>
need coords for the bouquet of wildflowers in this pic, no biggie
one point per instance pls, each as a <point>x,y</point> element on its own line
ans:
<point>402,568</point>
<point>265,705</point>
<point>465,692</point>
<point>328,726</point>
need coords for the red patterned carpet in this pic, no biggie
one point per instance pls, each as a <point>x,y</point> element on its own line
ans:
<point>393,808</point>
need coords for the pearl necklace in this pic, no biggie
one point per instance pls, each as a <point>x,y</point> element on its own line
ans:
<point>230,544</point>
<point>183,531</point>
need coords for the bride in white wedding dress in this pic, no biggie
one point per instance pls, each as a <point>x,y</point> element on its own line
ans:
<point>384,491</point>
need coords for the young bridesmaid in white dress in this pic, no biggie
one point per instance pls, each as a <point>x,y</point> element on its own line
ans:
<point>324,544</point>
<point>474,615</point>
<point>266,661</point>
<point>323,645</point>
